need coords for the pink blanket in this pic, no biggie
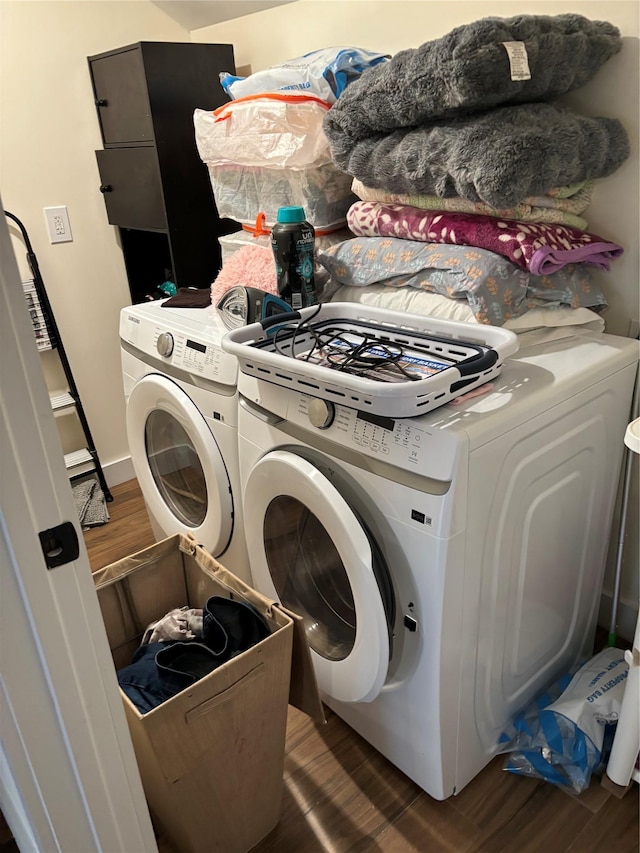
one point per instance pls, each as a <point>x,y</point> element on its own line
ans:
<point>539,247</point>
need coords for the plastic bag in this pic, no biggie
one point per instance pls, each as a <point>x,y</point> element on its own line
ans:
<point>271,131</point>
<point>324,73</point>
<point>242,192</point>
<point>231,243</point>
<point>562,737</point>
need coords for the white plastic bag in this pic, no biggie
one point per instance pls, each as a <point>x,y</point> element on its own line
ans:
<point>561,736</point>
<point>271,131</point>
<point>324,73</point>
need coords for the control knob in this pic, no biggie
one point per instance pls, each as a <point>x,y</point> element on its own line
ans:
<point>321,413</point>
<point>164,344</point>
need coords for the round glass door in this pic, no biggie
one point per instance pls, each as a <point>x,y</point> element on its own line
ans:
<point>309,576</point>
<point>178,463</point>
<point>309,551</point>
<point>176,468</point>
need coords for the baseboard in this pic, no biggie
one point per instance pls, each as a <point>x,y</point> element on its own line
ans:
<point>627,616</point>
<point>119,471</point>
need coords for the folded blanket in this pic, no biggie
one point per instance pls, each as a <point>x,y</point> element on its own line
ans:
<point>537,247</point>
<point>551,320</point>
<point>469,69</point>
<point>499,157</point>
<point>561,211</point>
<point>494,288</point>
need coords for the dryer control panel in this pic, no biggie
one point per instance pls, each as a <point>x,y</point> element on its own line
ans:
<point>194,349</point>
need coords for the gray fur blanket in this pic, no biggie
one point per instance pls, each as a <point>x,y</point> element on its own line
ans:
<point>499,157</point>
<point>468,70</point>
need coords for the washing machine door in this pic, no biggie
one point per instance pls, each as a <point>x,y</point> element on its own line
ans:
<point>309,551</point>
<point>178,464</point>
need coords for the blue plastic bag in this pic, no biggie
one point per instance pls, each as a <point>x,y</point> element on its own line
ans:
<point>324,73</point>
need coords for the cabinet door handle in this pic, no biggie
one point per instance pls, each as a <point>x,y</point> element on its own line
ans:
<point>105,188</point>
<point>101,102</point>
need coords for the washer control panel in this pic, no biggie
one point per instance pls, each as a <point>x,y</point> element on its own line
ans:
<point>404,443</point>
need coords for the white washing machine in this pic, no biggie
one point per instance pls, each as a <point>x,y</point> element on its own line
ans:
<point>182,419</point>
<point>448,566</point>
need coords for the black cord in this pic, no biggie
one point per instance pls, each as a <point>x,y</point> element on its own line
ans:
<point>360,356</point>
<point>347,350</point>
<point>364,357</point>
<point>296,328</point>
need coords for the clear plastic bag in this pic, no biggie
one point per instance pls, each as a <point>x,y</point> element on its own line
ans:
<point>242,192</point>
<point>324,73</point>
<point>230,243</point>
<point>564,735</point>
<point>271,131</point>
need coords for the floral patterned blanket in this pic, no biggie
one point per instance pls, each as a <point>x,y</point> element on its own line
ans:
<point>495,289</point>
<point>541,248</point>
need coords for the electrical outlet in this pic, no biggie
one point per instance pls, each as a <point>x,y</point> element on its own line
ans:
<point>58,226</point>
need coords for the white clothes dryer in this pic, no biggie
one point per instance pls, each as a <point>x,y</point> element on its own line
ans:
<point>182,418</point>
<point>448,567</point>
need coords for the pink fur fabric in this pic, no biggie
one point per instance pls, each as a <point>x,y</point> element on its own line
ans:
<point>250,266</point>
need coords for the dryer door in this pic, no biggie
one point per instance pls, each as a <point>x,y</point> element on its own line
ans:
<point>309,551</point>
<point>178,463</point>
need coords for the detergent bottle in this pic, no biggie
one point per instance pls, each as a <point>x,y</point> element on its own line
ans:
<point>293,242</point>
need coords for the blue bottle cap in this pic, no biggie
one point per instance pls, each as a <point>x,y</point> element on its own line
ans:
<point>292,213</point>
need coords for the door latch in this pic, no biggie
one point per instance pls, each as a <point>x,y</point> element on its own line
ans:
<point>59,544</point>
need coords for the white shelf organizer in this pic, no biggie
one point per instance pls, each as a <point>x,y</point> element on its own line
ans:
<point>622,765</point>
<point>61,402</point>
<point>449,358</point>
<point>84,461</point>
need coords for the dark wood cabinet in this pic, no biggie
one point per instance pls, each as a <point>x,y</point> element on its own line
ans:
<point>156,189</point>
<point>132,187</point>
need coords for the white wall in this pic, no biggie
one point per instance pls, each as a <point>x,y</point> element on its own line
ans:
<point>48,135</point>
<point>391,25</point>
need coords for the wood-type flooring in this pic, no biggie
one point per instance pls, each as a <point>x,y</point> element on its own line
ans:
<point>341,795</point>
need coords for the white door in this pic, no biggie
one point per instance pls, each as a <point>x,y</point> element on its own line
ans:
<point>68,775</point>
<point>309,551</point>
<point>178,464</point>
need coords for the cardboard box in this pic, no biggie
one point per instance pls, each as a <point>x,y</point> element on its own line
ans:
<point>211,758</point>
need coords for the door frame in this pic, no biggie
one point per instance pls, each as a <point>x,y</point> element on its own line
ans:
<point>68,775</point>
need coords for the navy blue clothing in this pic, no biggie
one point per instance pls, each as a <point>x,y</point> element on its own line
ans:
<point>160,670</point>
<point>140,679</point>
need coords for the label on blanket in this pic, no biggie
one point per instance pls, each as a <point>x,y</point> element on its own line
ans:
<point>518,60</point>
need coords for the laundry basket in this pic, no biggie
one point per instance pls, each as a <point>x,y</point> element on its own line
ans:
<point>440,359</point>
<point>211,757</point>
